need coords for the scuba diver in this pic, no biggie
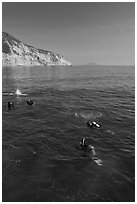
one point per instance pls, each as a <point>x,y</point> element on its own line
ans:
<point>89,151</point>
<point>30,102</point>
<point>10,105</point>
<point>86,148</point>
<point>83,144</point>
<point>83,147</point>
<point>93,124</point>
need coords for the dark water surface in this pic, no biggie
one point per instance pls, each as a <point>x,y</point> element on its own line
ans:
<point>40,158</point>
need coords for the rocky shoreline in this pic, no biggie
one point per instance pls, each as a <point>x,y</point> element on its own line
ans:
<point>17,53</point>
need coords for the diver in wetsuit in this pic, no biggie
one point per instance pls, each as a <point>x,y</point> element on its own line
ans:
<point>83,144</point>
<point>30,102</point>
<point>93,124</point>
<point>87,149</point>
<point>10,105</point>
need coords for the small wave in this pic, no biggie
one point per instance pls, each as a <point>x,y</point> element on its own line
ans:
<point>11,146</point>
<point>15,161</point>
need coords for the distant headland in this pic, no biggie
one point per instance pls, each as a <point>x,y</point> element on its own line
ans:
<point>17,53</point>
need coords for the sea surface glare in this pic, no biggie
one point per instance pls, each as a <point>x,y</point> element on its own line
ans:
<point>41,161</point>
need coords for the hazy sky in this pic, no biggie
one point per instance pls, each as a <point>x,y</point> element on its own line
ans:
<point>82,32</point>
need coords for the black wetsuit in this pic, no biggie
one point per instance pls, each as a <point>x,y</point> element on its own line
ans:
<point>30,102</point>
<point>10,105</point>
<point>83,145</point>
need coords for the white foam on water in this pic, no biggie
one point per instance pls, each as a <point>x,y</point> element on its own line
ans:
<point>7,94</point>
<point>76,115</point>
<point>95,159</point>
<point>18,93</point>
<point>98,161</point>
<point>111,132</point>
<point>89,116</point>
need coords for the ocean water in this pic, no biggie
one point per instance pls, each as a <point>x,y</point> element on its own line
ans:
<point>41,161</point>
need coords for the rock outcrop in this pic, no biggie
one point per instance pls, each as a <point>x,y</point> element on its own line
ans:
<point>17,53</point>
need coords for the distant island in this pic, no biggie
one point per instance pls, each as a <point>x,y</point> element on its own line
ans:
<point>91,63</point>
<point>17,53</point>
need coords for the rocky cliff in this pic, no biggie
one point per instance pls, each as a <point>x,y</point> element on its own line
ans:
<point>17,53</point>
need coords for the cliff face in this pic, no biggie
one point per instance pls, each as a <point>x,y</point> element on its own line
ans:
<point>16,53</point>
